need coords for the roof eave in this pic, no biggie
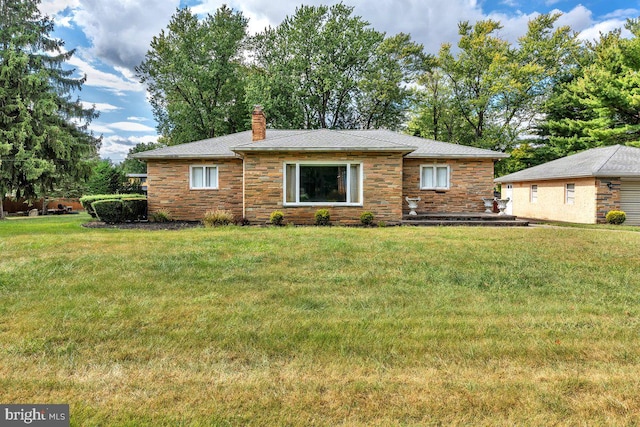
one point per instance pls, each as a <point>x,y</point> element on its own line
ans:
<point>188,157</point>
<point>458,156</point>
<point>403,150</point>
<point>546,178</point>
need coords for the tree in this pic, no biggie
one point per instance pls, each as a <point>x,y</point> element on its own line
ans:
<point>106,178</point>
<point>325,68</point>
<point>195,76</point>
<point>43,132</point>
<point>382,99</point>
<point>489,93</point>
<point>132,165</point>
<point>599,103</point>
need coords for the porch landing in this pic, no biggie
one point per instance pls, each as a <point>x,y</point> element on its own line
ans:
<point>463,218</point>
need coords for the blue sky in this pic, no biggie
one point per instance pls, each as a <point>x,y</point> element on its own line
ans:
<point>111,37</point>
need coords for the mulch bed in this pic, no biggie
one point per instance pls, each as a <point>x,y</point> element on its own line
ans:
<point>173,225</point>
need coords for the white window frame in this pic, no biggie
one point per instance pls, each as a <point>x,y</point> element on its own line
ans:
<point>435,168</point>
<point>204,174</point>
<point>348,165</point>
<point>533,193</point>
<point>570,200</point>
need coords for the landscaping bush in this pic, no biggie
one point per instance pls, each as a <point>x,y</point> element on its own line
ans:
<point>616,217</point>
<point>134,209</point>
<point>366,218</point>
<point>162,215</point>
<point>217,218</point>
<point>87,201</point>
<point>276,218</point>
<point>323,217</point>
<point>109,211</point>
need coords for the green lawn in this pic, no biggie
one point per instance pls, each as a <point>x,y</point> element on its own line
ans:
<point>321,326</point>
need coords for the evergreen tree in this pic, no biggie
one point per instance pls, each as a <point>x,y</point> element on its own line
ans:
<point>43,131</point>
<point>598,103</point>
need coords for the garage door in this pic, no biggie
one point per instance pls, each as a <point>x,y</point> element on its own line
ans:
<point>630,201</point>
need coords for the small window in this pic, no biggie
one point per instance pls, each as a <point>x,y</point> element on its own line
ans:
<point>434,177</point>
<point>534,194</point>
<point>570,194</point>
<point>204,177</point>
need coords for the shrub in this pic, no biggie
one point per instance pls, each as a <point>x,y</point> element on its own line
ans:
<point>382,224</point>
<point>217,218</point>
<point>109,211</point>
<point>134,209</point>
<point>162,215</point>
<point>366,218</point>
<point>323,217</point>
<point>276,218</point>
<point>87,201</point>
<point>616,217</point>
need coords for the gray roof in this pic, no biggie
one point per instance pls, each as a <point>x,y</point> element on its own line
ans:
<point>613,161</point>
<point>321,140</point>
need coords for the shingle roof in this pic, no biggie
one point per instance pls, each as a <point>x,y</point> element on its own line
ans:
<point>612,161</point>
<point>320,140</point>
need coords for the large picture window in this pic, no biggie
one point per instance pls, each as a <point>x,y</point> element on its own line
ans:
<point>434,177</point>
<point>323,183</point>
<point>204,177</point>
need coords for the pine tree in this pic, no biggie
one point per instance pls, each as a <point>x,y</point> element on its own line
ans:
<point>43,131</point>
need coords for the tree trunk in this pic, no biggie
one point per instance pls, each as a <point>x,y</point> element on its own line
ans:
<point>1,207</point>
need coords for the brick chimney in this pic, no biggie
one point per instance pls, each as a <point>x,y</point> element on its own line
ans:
<point>258,124</point>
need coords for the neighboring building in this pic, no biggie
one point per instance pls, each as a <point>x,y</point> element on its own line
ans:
<point>256,172</point>
<point>138,179</point>
<point>579,188</point>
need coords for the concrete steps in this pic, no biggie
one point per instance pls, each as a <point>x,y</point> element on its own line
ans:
<point>463,219</point>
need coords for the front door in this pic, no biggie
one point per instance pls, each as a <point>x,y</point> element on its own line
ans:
<point>508,193</point>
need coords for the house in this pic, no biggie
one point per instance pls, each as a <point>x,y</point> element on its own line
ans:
<point>256,172</point>
<point>579,188</point>
<point>138,179</point>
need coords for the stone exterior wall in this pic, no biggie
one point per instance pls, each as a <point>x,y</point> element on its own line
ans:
<point>607,199</point>
<point>169,188</point>
<point>263,187</point>
<point>470,181</point>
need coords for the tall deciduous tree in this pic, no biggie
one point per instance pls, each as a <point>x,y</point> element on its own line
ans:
<point>195,75</point>
<point>325,68</point>
<point>491,92</point>
<point>43,131</point>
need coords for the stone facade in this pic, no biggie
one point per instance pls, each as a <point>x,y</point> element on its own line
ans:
<point>169,188</point>
<point>607,197</point>
<point>259,177</point>
<point>263,187</point>
<point>470,181</point>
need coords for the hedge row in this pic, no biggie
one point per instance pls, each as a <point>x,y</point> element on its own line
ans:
<point>87,201</point>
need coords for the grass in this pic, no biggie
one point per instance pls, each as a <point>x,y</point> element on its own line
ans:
<point>321,326</point>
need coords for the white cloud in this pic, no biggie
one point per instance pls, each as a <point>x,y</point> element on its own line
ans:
<point>100,106</point>
<point>117,147</point>
<point>99,128</point>
<point>103,79</point>
<point>137,119</point>
<point>53,7</point>
<point>131,127</point>
<point>121,30</point>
